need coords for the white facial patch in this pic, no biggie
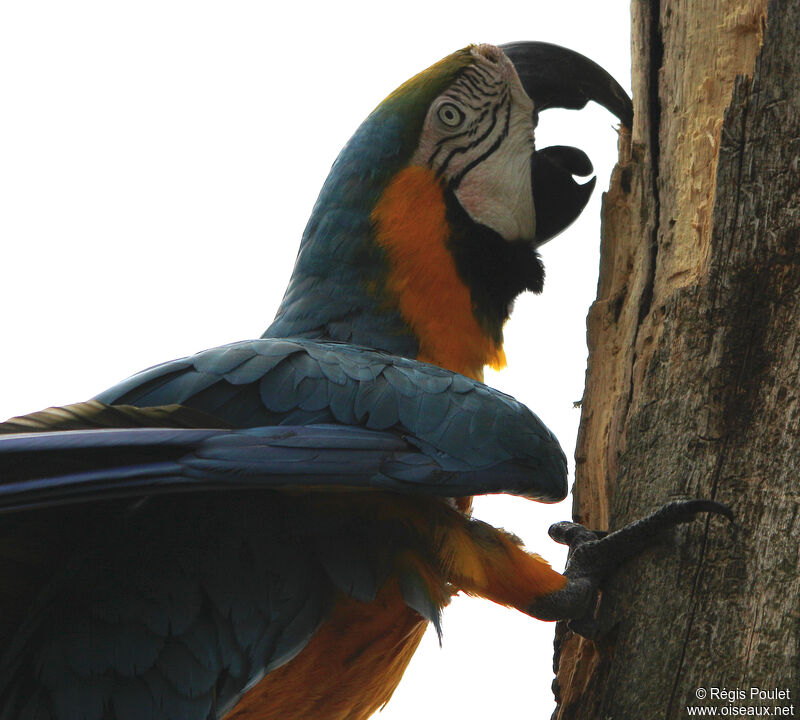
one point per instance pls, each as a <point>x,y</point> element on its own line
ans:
<point>479,136</point>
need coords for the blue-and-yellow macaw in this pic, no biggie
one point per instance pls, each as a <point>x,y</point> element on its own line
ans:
<point>264,529</point>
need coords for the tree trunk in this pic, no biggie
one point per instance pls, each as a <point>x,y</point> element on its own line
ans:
<point>693,385</point>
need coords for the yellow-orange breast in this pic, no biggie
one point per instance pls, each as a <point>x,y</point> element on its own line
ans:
<point>349,669</point>
<point>356,659</point>
<point>411,226</point>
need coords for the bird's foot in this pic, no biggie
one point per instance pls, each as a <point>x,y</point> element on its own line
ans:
<point>594,555</point>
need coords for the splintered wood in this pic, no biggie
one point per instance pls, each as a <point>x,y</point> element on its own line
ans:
<point>694,365</point>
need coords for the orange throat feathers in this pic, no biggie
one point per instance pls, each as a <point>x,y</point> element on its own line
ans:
<point>411,226</point>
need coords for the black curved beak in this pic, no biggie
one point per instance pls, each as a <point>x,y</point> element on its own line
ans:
<point>554,76</point>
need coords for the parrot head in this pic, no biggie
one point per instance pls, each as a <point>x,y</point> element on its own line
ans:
<point>428,225</point>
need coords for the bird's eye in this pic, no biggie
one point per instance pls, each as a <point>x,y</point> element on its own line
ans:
<point>450,114</point>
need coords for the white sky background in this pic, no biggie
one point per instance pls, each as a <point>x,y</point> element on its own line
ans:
<point>158,162</point>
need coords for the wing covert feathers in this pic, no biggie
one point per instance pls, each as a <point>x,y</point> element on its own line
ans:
<point>464,425</point>
<point>179,599</point>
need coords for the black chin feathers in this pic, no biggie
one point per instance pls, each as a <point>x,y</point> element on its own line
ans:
<point>495,270</point>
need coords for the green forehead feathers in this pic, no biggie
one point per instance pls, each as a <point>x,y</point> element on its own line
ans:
<point>427,85</point>
<point>413,98</point>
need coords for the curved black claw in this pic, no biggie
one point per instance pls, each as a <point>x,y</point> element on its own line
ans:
<point>557,198</point>
<point>594,555</point>
<point>572,534</point>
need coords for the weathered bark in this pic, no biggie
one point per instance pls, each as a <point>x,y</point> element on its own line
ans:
<point>693,386</point>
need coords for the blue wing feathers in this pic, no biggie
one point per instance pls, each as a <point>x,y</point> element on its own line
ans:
<point>198,604</point>
<point>226,360</point>
<point>81,699</point>
<point>277,387</point>
<point>311,395</point>
<point>183,670</point>
<point>433,411</point>
<point>132,700</point>
<point>251,370</point>
<point>342,403</point>
<point>93,646</point>
<point>280,381</point>
<point>231,403</point>
<point>296,634</point>
<point>348,565</point>
<point>402,380</point>
<point>330,368</point>
<point>153,376</point>
<point>109,438</point>
<point>195,621</point>
<point>174,703</point>
<point>382,412</point>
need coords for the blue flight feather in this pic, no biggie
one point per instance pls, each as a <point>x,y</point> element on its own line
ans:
<point>451,413</point>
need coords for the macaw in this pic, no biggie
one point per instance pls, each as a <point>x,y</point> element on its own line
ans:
<point>266,529</point>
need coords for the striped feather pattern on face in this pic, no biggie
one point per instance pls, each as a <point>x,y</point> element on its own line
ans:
<point>478,137</point>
